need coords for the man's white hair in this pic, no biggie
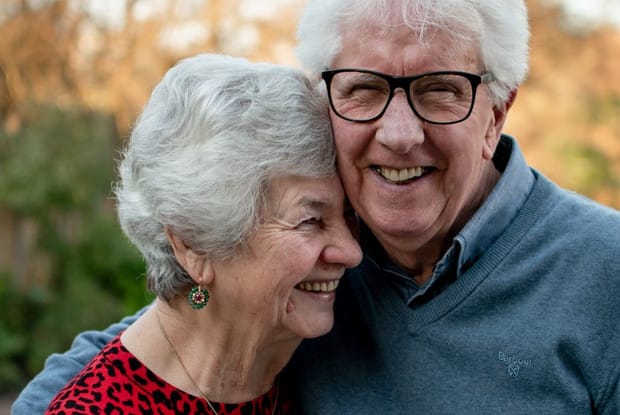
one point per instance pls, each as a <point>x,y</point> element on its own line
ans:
<point>500,27</point>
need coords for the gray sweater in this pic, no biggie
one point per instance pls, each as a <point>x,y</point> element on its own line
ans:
<point>529,324</point>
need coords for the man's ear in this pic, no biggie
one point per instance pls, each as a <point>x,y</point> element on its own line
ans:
<point>496,125</point>
<point>195,263</point>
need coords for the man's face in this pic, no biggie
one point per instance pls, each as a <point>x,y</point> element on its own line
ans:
<point>415,184</point>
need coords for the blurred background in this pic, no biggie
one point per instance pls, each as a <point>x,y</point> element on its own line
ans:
<point>75,74</point>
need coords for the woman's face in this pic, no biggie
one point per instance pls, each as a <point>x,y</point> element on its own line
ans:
<point>288,277</point>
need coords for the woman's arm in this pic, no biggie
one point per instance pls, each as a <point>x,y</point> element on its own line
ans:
<point>61,368</point>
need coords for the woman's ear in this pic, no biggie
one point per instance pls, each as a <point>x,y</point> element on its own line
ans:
<point>195,263</point>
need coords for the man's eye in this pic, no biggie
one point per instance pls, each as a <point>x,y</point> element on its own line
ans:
<point>437,87</point>
<point>366,88</point>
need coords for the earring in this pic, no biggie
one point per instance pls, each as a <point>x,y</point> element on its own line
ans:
<point>198,297</point>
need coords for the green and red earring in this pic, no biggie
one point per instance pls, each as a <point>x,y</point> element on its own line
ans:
<point>198,297</point>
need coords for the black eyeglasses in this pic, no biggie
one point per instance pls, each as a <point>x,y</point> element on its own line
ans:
<point>445,97</point>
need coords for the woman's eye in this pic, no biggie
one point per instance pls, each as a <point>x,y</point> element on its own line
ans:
<point>310,222</point>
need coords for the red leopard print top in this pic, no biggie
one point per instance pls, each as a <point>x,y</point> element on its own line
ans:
<point>115,382</point>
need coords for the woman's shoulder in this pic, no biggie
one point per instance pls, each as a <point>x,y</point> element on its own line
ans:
<point>102,381</point>
<point>116,380</point>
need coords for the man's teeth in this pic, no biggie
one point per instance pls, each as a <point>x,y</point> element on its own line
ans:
<point>400,175</point>
<point>325,286</point>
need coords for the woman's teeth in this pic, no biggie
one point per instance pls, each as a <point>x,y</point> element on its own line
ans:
<point>325,286</point>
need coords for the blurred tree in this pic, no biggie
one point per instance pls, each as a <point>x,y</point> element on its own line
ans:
<point>567,114</point>
<point>65,53</point>
<point>36,48</point>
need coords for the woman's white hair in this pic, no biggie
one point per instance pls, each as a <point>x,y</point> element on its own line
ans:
<point>499,26</point>
<point>214,134</point>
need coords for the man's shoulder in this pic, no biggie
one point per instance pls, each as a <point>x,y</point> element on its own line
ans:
<point>576,209</point>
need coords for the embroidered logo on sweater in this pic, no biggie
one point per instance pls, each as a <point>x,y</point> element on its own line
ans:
<point>514,363</point>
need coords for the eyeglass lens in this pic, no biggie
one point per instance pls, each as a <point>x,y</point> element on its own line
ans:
<point>438,98</point>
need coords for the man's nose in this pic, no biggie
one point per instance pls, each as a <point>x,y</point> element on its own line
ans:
<point>400,128</point>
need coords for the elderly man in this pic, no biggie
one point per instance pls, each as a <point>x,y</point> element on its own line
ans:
<point>484,287</point>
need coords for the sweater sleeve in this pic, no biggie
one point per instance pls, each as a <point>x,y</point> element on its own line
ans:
<point>61,368</point>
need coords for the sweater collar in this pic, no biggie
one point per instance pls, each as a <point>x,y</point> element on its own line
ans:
<point>485,226</point>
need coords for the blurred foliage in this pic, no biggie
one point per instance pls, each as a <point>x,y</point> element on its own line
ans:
<point>41,174</point>
<point>56,173</point>
<point>567,113</point>
<point>19,311</point>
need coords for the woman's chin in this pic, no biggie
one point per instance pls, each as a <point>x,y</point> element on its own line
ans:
<point>313,318</point>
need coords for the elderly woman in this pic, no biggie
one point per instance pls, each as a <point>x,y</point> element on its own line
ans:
<point>228,188</point>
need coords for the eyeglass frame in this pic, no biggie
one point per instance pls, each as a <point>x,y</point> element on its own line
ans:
<point>404,82</point>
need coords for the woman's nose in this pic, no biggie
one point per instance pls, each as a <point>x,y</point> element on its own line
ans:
<point>344,248</point>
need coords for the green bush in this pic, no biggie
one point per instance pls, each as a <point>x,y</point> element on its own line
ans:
<point>20,313</point>
<point>56,173</point>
